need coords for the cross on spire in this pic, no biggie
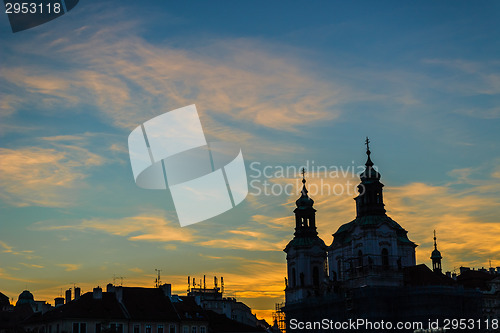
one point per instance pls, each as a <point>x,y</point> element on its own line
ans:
<point>303,175</point>
<point>367,143</point>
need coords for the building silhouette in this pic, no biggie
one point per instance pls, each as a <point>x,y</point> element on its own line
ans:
<point>121,309</point>
<point>369,273</point>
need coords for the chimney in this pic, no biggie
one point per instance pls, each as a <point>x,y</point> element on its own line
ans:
<point>97,293</point>
<point>77,292</point>
<point>167,289</point>
<point>448,274</point>
<point>110,288</point>
<point>119,293</point>
<point>58,301</point>
<point>68,295</point>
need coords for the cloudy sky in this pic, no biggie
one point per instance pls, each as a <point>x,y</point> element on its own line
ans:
<point>292,83</point>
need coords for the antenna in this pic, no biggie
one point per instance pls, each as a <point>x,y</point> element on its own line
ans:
<point>222,284</point>
<point>189,283</point>
<point>158,280</point>
<point>121,280</point>
<point>205,286</point>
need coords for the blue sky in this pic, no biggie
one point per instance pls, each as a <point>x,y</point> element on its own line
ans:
<point>290,82</point>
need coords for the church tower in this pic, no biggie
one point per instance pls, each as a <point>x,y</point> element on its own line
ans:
<point>306,252</point>
<point>369,202</point>
<point>372,249</point>
<point>436,257</point>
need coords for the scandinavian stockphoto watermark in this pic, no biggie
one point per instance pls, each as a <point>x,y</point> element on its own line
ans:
<point>26,14</point>
<point>277,180</point>
<point>205,179</point>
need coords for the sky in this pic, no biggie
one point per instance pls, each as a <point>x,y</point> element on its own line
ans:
<point>293,83</point>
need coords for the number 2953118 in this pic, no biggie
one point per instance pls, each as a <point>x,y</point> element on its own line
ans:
<point>32,8</point>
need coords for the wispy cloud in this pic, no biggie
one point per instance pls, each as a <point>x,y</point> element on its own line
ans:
<point>242,79</point>
<point>70,267</point>
<point>43,176</point>
<point>136,228</point>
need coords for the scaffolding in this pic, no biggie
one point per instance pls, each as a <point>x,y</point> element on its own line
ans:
<point>279,317</point>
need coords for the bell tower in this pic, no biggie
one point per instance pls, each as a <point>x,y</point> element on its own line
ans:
<point>306,252</point>
<point>370,200</point>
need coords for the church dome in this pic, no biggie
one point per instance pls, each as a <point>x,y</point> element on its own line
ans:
<point>25,297</point>
<point>370,173</point>
<point>304,201</point>
<point>436,254</point>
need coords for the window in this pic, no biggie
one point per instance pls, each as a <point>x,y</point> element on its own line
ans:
<point>137,329</point>
<point>385,259</point>
<point>98,328</point>
<point>202,329</point>
<point>172,329</point>
<point>193,329</point>
<point>160,329</point>
<point>119,328</point>
<point>79,327</point>
<point>302,283</point>
<point>148,328</point>
<point>293,277</point>
<point>185,329</point>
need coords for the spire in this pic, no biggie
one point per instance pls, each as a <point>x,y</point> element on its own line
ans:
<point>436,257</point>
<point>304,201</point>
<point>369,200</point>
<point>305,213</point>
<point>304,189</point>
<point>369,162</point>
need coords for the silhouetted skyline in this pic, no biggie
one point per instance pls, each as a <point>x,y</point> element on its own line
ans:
<point>292,84</point>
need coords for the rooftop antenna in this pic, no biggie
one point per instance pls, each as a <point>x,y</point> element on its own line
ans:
<point>158,280</point>
<point>490,263</point>
<point>222,284</point>
<point>194,283</point>
<point>189,283</point>
<point>205,286</point>
<point>121,280</point>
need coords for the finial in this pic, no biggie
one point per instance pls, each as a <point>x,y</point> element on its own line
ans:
<point>435,243</point>
<point>303,175</point>
<point>369,162</point>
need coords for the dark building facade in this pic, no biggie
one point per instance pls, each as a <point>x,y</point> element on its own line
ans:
<point>368,274</point>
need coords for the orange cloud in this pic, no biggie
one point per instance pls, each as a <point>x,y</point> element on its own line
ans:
<point>43,176</point>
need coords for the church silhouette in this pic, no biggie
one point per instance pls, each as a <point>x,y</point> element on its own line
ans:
<point>369,274</point>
